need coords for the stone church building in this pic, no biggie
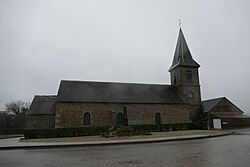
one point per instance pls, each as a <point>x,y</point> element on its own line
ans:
<point>89,104</point>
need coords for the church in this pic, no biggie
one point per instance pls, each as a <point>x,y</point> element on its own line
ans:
<point>86,103</point>
<point>95,104</point>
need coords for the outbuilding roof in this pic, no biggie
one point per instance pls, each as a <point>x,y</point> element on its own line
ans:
<point>42,105</point>
<point>211,103</point>
<point>112,92</point>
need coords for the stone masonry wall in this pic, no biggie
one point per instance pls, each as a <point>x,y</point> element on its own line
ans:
<point>225,108</point>
<point>186,86</point>
<point>40,121</point>
<point>104,114</point>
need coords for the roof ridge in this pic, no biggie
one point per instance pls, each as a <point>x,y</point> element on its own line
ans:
<point>45,95</point>
<point>217,98</point>
<point>110,82</point>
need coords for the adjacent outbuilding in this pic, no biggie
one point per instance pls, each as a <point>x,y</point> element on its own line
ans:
<point>222,113</point>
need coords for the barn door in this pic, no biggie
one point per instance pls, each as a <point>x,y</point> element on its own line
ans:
<point>217,123</point>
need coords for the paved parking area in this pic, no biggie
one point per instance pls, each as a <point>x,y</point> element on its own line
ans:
<point>98,140</point>
<point>230,151</point>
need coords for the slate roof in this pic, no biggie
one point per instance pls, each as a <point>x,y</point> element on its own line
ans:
<point>42,105</point>
<point>182,55</point>
<point>111,92</point>
<point>211,103</point>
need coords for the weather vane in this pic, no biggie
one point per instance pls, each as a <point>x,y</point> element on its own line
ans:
<point>180,23</point>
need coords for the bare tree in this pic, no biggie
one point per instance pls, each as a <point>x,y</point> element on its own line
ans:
<point>17,107</point>
<point>15,115</point>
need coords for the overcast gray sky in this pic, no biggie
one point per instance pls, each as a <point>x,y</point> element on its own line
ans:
<point>45,41</point>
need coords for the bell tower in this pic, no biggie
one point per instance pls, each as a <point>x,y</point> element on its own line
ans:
<point>184,73</point>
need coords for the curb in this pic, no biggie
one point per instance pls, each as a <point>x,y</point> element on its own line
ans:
<point>116,142</point>
<point>10,137</point>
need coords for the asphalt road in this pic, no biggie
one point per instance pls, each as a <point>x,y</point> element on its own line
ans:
<point>228,151</point>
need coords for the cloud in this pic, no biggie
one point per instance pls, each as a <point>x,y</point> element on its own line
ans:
<point>43,42</point>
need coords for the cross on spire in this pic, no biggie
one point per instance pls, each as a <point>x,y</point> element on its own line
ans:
<point>180,23</point>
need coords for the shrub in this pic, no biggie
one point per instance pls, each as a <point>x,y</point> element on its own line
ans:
<point>165,127</point>
<point>11,131</point>
<point>63,132</point>
<point>88,131</point>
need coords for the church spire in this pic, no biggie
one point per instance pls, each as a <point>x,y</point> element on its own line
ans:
<point>182,55</point>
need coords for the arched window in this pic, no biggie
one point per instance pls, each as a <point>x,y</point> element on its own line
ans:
<point>119,119</point>
<point>86,119</point>
<point>175,79</point>
<point>157,118</point>
<point>189,76</point>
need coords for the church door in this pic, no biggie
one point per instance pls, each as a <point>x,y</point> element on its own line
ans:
<point>157,118</point>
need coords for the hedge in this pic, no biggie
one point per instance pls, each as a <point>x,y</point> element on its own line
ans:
<point>166,127</point>
<point>11,131</point>
<point>63,132</point>
<point>88,131</point>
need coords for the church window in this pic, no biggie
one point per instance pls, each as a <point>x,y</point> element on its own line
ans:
<point>124,109</point>
<point>175,79</point>
<point>86,118</point>
<point>125,117</point>
<point>157,118</point>
<point>119,119</point>
<point>189,76</point>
